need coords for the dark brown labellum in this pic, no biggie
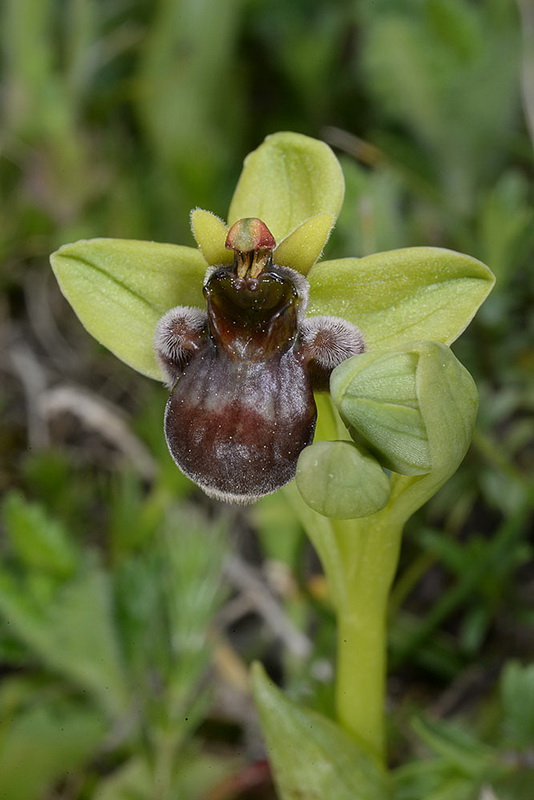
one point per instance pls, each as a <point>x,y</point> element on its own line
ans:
<point>237,428</point>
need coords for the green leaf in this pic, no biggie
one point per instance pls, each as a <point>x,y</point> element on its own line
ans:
<point>44,742</point>
<point>120,288</point>
<point>131,781</point>
<point>192,592</point>
<point>301,249</point>
<point>74,635</point>
<point>341,481</point>
<point>39,541</point>
<point>515,786</point>
<point>310,755</point>
<point>517,691</point>
<point>402,295</point>
<point>195,775</point>
<point>289,178</point>
<point>455,745</point>
<point>455,24</point>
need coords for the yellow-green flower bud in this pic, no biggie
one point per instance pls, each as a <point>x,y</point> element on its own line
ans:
<point>341,480</point>
<point>408,406</point>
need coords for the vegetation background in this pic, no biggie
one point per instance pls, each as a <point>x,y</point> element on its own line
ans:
<point>130,605</point>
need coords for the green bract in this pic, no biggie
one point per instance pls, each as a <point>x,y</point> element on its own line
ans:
<point>411,410</point>
<point>379,402</point>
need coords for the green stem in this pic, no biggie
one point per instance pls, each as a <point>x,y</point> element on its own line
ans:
<point>360,679</point>
<point>359,559</point>
<point>373,545</point>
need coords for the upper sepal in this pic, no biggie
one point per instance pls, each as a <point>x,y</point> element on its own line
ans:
<point>119,288</point>
<point>402,295</point>
<point>289,178</point>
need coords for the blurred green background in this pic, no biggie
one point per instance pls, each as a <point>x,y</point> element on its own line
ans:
<point>123,640</point>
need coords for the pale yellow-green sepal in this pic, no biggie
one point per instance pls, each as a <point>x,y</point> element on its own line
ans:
<point>402,295</point>
<point>303,246</point>
<point>210,234</point>
<point>119,288</point>
<point>289,178</point>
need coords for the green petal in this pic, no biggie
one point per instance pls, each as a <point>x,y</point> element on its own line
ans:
<point>119,288</point>
<point>311,756</point>
<point>210,234</point>
<point>289,178</point>
<point>301,249</point>
<point>341,481</point>
<point>402,295</point>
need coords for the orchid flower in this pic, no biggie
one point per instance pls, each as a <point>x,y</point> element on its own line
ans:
<point>246,327</point>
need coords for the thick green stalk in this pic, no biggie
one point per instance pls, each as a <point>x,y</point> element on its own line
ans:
<point>372,551</point>
<point>360,678</point>
<point>359,559</point>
